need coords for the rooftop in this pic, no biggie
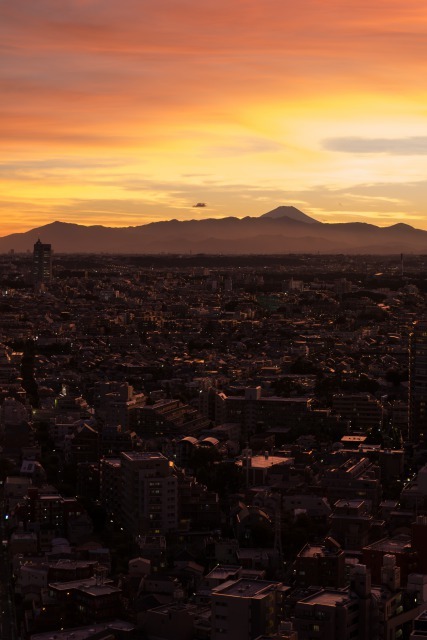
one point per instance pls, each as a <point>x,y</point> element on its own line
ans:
<point>264,462</point>
<point>112,462</point>
<point>398,544</point>
<point>87,584</point>
<point>245,588</point>
<point>331,548</point>
<point>143,455</point>
<point>222,571</point>
<point>326,598</point>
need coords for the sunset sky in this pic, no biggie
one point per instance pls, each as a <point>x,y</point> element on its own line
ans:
<point>122,112</point>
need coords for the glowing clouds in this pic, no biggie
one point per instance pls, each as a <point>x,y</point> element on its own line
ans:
<point>111,111</point>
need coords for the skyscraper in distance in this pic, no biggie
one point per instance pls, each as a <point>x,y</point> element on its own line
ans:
<point>417,419</point>
<point>42,263</point>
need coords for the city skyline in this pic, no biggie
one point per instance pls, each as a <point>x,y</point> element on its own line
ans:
<point>124,114</point>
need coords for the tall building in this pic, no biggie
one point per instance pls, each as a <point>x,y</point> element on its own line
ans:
<point>42,263</point>
<point>362,610</point>
<point>417,426</point>
<point>149,493</point>
<point>321,564</point>
<point>420,627</point>
<point>246,609</point>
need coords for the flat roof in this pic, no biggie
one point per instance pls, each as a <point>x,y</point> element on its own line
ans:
<point>114,462</point>
<point>223,571</point>
<point>261,462</point>
<point>245,588</point>
<point>88,583</point>
<point>397,544</point>
<point>352,503</point>
<point>99,589</point>
<point>327,598</point>
<point>143,455</point>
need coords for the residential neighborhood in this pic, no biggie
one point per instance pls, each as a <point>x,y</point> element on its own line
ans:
<point>213,447</point>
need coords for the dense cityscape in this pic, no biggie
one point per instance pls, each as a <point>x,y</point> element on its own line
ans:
<point>213,447</point>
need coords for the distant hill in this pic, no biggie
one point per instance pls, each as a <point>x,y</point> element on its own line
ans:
<point>289,212</point>
<point>267,234</point>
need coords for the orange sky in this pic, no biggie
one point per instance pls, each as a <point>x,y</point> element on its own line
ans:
<point>121,113</point>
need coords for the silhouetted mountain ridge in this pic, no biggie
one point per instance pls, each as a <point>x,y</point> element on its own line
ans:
<point>231,235</point>
<point>289,212</point>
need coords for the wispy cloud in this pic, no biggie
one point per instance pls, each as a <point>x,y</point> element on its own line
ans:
<point>410,146</point>
<point>245,145</point>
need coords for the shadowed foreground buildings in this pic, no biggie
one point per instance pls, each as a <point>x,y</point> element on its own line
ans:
<point>209,461</point>
<point>362,611</point>
<point>246,609</point>
<point>149,493</point>
<point>418,382</point>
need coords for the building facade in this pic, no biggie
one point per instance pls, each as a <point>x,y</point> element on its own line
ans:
<point>418,383</point>
<point>42,263</point>
<point>149,493</point>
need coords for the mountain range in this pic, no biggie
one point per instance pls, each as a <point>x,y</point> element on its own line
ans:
<point>283,230</point>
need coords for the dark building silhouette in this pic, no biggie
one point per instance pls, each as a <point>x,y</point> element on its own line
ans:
<point>322,563</point>
<point>419,536</point>
<point>418,382</point>
<point>42,263</point>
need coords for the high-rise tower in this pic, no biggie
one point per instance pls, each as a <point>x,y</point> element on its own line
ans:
<point>417,424</point>
<point>42,263</point>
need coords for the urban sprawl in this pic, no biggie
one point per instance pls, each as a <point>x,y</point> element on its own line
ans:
<point>213,447</point>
